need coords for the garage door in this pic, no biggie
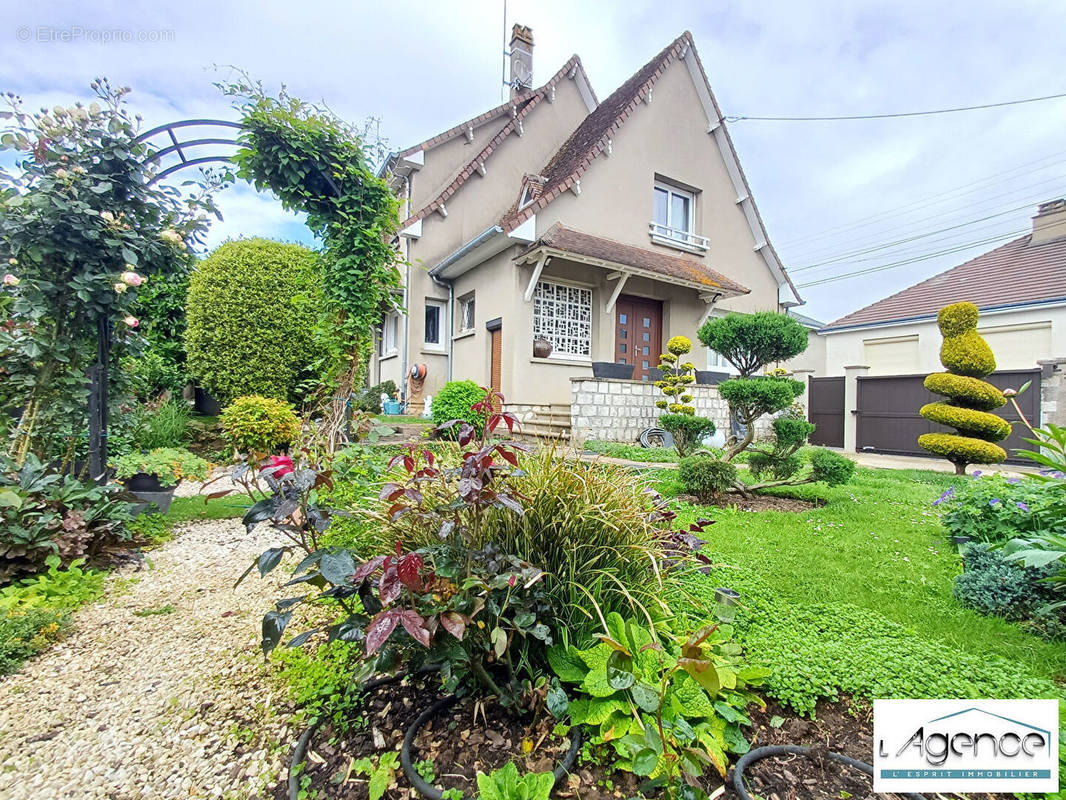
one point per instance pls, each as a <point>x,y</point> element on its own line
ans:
<point>1014,345</point>
<point>888,420</point>
<point>891,355</point>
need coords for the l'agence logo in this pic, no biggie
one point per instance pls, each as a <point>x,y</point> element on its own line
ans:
<point>966,745</point>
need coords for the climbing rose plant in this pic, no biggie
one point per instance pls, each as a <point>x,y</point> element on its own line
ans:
<point>81,230</point>
<point>317,164</point>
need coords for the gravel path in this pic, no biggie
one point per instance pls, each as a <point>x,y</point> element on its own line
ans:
<point>170,705</point>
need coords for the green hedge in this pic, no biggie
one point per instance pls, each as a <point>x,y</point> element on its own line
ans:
<point>454,401</point>
<point>253,309</point>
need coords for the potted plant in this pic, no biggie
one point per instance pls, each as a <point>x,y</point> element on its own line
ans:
<point>608,369</point>
<point>151,477</point>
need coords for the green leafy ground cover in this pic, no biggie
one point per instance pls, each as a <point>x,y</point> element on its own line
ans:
<point>855,597</point>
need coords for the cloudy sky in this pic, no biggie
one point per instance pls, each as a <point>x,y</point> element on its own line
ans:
<point>899,198</point>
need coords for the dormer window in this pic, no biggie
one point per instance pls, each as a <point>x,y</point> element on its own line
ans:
<point>527,197</point>
<point>674,218</point>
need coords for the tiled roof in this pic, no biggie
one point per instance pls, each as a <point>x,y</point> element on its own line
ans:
<point>590,137</point>
<point>559,237</point>
<point>1014,274</point>
<point>519,108</point>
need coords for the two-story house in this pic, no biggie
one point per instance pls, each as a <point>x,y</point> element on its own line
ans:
<point>555,236</point>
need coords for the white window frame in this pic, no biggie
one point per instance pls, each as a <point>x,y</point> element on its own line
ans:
<point>556,353</point>
<point>462,304</point>
<point>672,234</point>
<point>442,328</point>
<point>390,328</point>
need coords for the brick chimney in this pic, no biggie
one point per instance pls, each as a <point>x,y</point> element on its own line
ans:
<point>1050,221</point>
<point>521,59</point>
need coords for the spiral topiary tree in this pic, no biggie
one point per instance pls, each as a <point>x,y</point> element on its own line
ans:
<point>968,358</point>
<point>680,420</point>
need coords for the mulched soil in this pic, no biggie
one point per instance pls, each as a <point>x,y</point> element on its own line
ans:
<point>461,742</point>
<point>759,502</point>
<point>843,727</point>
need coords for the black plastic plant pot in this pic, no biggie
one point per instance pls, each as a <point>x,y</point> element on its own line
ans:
<point>562,769</point>
<point>608,369</point>
<point>146,488</point>
<point>960,540</point>
<point>206,404</point>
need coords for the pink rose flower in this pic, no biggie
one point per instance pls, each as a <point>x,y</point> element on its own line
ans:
<point>284,466</point>
<point>131,278</point>
<point>131,321</point>
<point>10,280</point>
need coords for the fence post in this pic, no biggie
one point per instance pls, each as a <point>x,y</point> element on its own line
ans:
<point>1052,391</point>
<point>851,404</point>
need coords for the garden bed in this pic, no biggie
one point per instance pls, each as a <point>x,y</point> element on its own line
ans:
<point>844,727</point>
<point>448,752</point>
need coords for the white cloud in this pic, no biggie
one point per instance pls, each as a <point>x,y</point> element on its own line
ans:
<point>424,66</point>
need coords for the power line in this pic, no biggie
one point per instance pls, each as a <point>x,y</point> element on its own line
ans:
<point>741,117</point>
<point>915,260</point>
<point>851,255</point>
<point>981,185</point>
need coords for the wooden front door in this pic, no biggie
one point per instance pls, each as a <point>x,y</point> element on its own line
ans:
<point>495,363</point>
<point>638,334</point>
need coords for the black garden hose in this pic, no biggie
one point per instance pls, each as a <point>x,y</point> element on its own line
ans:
<point>794,749</point>
<point>299,752</point>
<point>432,792</point>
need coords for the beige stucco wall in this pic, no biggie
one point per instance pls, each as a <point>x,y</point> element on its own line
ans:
<point>668,137</point>
<point>813,358</point>
<point>443,162</point>
<point>847,348</point>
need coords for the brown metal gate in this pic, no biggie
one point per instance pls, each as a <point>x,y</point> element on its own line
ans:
<point>888,420</point>
<point>825,408</point>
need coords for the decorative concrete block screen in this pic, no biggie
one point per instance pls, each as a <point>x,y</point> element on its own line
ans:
<point>617,410</point>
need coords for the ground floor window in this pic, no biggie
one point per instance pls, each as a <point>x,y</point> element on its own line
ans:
<point>562,314</point>
<point>390,334</point>
<point>466,312</point>
<point>434,326</point>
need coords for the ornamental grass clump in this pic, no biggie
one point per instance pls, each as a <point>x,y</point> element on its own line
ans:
<point>680,421</point>
<point>968,358</point>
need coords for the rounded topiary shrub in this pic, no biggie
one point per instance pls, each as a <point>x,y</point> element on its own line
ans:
<point>253,307</point>
<point>975,393</point>
<point>455,400</point>
<point>688,430</point>
<point>830,467</point>
<point>261,425</point>
<point>706,477</point>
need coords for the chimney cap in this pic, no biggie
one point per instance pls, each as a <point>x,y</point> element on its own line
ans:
<point>1051,207</point>
<point>522,33</point>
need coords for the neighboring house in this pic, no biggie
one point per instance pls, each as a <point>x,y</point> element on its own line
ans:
<point>1020,288</point>
<point>869,370</point>
<point>598,229</point>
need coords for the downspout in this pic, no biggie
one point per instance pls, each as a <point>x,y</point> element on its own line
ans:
<point>406,298</point>
<point>473,244</point>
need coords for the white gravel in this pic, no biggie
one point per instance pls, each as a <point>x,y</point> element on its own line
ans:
<point>172,705</point>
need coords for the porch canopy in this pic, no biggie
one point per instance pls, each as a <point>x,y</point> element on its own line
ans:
<point>623,261</point>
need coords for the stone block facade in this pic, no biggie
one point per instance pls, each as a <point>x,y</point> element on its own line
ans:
<point>618,410</point>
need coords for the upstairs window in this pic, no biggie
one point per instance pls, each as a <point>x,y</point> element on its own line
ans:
<point>674,217</point>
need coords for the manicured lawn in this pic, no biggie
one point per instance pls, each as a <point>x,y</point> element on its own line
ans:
<point>873,557</point>
<point>632,452</point>
<point>405,419</point>
<point>191,509</point>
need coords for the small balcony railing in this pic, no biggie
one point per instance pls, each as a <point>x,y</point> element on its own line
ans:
<point>676,237</point>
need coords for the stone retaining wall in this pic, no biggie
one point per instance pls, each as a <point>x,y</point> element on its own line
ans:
<point>617,410</point>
